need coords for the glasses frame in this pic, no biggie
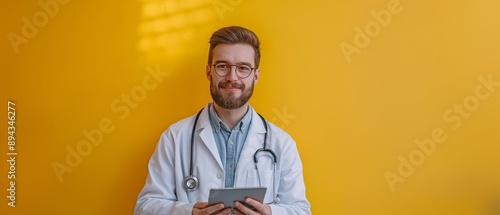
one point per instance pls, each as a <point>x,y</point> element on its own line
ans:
<point>231,68</point>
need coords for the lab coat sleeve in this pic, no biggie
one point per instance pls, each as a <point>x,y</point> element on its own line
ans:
<point>291,191</point>
<point>158,195</point>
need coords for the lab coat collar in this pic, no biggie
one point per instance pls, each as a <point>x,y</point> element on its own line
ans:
<point>206,134</point>
<point>254,140</point>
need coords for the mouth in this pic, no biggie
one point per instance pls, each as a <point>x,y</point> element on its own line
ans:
<point>232,89</point>
<point>231,86</point>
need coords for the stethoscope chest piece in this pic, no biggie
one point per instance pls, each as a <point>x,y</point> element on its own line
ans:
<point>190,183</point>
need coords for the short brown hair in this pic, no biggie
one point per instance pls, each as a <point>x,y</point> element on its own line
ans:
<point>235,35</point>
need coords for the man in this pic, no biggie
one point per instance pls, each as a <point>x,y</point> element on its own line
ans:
<point>217,146</point>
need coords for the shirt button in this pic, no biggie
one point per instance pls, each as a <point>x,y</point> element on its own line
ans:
<point>230,168</point>
<point>219,175</point>
<point>231,142</point>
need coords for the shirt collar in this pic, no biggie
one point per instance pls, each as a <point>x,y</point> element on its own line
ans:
<point>218,124</point>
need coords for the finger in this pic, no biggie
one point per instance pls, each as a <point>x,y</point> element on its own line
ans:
<point>238,212</point>
<point>225,211</point>
<point>200,205</point>
<point>243,209</point>
<point>254,203</point>
<point>214,208</point>
<point>259,206</point>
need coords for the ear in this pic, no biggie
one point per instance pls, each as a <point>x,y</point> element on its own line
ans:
<point>208,72</point>
<point>256,75</point>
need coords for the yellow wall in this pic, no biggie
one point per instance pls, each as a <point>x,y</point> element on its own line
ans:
<point>357,84</point>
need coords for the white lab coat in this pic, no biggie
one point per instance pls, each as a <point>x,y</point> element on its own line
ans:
<point>164,193</point>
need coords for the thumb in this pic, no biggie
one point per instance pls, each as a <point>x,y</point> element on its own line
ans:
<point>201,205</point>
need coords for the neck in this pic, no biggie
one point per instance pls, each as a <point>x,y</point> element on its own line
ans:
<point>231,117</point>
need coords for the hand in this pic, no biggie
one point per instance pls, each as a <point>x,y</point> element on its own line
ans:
<point>202,208</point>
<point>260,208</point>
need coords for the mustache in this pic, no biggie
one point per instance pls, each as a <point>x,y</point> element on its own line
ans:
<point>231,85</point>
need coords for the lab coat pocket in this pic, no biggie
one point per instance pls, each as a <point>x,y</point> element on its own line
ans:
<point>263,178</point>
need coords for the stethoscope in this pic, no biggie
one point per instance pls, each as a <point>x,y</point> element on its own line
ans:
<point>190,182</point>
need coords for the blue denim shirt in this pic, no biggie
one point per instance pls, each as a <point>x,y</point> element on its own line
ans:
<point>229,142</point>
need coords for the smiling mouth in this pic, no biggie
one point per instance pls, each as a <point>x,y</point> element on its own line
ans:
<point>230,86</point>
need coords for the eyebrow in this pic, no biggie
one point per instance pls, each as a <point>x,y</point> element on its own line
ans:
<point>239,63</point>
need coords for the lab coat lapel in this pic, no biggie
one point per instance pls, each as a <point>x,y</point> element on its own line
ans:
<point>206,135</point>
<point>254,141</point>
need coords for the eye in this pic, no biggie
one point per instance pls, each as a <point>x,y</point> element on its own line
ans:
<point>221,66</point>
<point>244,68</point>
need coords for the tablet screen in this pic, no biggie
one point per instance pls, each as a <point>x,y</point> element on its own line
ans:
<point>229,195</point>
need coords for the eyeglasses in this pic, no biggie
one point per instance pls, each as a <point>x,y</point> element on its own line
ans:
<point>242,70</point>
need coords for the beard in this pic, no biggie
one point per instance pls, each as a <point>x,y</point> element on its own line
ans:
<point>230,101</point>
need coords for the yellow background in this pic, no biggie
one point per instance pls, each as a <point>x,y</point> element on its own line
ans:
<point>352,121</point>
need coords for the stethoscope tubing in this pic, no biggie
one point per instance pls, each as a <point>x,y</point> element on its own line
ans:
<point>191,181</point>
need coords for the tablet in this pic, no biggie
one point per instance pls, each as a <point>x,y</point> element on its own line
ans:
<point>229,195</point>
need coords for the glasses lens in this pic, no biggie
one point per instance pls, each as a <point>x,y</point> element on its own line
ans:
<point>243,71</point>
<point>222,69</point>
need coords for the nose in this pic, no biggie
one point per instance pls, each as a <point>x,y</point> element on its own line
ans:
<point>232,74</point>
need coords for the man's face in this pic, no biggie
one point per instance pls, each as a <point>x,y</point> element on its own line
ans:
<point>231,91</point>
